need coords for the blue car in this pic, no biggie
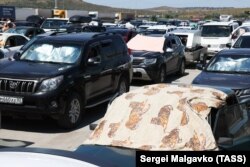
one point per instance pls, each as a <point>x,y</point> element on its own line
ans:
<point>230,69</point>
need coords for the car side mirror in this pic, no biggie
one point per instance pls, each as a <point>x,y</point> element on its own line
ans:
<point>7,46</point>
<point>169,50</point>
<point>200,66</point>
<point>17,56</point>
<point>92,126</point>
<point>94,61</point>
<point>228,45</point>
<point>234,36</point>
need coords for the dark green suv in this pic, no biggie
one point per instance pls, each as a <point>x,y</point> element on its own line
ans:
<point>63,75</point>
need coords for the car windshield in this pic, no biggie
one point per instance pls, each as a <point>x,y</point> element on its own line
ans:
<point>216,31</point>
<point>52,53</point>
<point>54,23</point>
<point>242,42</point>
<point>24,47</point>
<point>230,64</point>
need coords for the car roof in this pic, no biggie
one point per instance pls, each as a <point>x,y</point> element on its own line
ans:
<point>238,51</point>
<point>11,34</point>
<point>72,37</point>
<point>219,23</point>
<point>246,34</point>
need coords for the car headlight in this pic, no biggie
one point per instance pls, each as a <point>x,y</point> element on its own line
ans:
<point>50,84</point>
<point>246,92</point>
<point>149,61</point>
<point>223,45</point>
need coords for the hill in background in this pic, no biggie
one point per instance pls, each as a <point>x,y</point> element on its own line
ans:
<point>163,11</point>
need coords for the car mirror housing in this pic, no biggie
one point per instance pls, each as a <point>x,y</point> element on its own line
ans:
<point>17,56</point>
<point>200,66</point>
<point>228,45</point>
<point>94,61</point>
<point>169,50</point>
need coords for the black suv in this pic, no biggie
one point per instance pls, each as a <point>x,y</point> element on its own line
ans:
<point>156,65</point>
<point>63,75</point>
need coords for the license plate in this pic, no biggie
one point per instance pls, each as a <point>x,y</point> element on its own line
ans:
<point>11,100</point>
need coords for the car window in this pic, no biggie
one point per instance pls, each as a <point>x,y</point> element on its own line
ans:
<point>55,53</point>
<point>10,42</point>
<point>232,121</point>
<point>173,43</point>
<point>107,48</point>
<point>120,46</point>
<point>242,42</point>
<point>20,40</point>
<point>230,64</point>
<point>216,31</point>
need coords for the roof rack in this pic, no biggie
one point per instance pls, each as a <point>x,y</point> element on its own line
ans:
<point>104,34</point>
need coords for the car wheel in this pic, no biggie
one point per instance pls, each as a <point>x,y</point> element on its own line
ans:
<point>161,75</point>
<point>182,68</point>
<point>123,86</point>
<point>72,113</point>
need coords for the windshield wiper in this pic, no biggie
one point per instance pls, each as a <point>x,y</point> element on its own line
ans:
<point>52,62</point>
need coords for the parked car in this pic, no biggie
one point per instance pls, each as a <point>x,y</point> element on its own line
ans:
<point>229,68</point>
<point>239,31</point>
<point>10,43</point>
<point>216,35</point>
<point>127,34</point>
<point>55,24</point>
<point>156,57</point>
<point>191,39</point>
<point>29,32</point>
<point>61,76</point>
<point>26,23</point>
<point>243,41</point>
<point>180,123</point>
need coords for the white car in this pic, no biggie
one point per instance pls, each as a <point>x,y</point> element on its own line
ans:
<point>243,41</point>
<point>10,43</point>
<point>239,31</point>
<point>55,24</point>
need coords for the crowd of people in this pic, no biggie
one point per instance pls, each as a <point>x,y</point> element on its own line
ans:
<point>7,24</point>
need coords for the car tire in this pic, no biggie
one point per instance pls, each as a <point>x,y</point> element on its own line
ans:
<point>161,76</point>
<point>182,67</point>
<point>72,115</point>
<point>123,86</point>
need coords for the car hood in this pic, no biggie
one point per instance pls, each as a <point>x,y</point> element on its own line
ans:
<point>21,69</point>
<point>232,81</point>
<point>174,123</point>
<point>117,156</point>
<point>146,54</point>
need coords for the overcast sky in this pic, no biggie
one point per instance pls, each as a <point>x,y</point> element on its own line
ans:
<point>139,4</point>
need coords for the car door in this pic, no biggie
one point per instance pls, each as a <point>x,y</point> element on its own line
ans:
<point>13,43</point>
<point>178,51</point>
<point>169,55</point>
<point>96,80</point>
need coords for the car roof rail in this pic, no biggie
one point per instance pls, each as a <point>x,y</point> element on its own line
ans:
<point>104,34</point>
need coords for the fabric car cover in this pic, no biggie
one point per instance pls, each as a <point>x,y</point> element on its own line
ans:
<point>148,43</point>
<point>160,117</point>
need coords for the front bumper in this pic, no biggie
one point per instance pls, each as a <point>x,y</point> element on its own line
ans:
<point>50,103</point>
<point>145,72</point>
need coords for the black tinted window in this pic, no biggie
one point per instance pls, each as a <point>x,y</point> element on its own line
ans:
<point>107,48</point>
<point>20,41</point>
<point>120,46</point>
